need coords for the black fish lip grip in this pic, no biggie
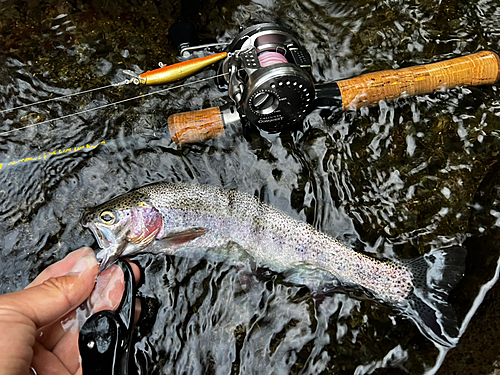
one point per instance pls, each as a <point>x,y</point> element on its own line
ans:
<point>105,338</point>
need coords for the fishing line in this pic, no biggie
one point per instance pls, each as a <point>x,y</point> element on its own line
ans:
<point>64,96</point>
<point>105,105</point>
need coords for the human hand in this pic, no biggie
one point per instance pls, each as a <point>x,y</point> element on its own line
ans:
<point>38,325</point>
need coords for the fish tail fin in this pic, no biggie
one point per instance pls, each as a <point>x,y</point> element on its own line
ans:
<point>434,276</point>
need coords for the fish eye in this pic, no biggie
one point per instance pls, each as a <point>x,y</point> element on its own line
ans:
<point>108,217</point>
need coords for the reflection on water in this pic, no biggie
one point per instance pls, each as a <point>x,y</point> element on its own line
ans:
<point>397,180</point>
<point>275,328</point>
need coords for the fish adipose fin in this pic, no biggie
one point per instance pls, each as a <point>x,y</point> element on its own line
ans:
<point>434,276</point>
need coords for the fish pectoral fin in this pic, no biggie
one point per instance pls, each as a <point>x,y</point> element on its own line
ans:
<point>180,238</point>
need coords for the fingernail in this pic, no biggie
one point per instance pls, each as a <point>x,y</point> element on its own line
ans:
<point>84,263</point>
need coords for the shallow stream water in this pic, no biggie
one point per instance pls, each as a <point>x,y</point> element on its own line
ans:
<point>396,180</point>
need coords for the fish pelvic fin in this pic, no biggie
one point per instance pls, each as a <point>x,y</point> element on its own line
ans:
<point>434,276</point>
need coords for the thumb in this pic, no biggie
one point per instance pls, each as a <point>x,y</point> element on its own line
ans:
<point>49,301</point>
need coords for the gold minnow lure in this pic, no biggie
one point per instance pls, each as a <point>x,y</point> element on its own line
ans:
<point>175,72</point>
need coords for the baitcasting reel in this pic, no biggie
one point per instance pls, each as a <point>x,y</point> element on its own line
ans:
<point>268,76</point>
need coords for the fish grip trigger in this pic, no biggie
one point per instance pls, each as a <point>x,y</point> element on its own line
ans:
<point>105,337</point>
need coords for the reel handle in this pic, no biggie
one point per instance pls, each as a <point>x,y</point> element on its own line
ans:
<point>182,34</point>
<point>480,68</point>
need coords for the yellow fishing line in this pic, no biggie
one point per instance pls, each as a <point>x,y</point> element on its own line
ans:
<point>45,155</point>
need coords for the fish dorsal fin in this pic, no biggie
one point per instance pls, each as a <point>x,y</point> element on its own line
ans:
<point>185,236</point>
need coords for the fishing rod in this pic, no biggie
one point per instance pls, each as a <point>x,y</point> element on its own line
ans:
<point>268,77</point>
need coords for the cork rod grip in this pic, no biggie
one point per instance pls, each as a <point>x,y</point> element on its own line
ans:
<point>196,126</point>
<point>477,69</point>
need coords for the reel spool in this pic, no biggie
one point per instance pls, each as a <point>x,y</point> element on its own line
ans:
<point>268,76</point>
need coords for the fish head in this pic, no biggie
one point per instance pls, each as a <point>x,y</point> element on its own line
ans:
<point>123,226</point>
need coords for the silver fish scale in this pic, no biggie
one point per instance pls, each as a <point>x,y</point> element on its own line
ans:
<point>271,236</point>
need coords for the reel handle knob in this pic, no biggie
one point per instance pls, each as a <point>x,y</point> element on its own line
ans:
<point>480,68</point>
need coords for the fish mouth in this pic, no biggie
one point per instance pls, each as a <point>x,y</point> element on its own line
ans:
<point>112,245</point>
<point>100,236</point>
<point>106,242</point>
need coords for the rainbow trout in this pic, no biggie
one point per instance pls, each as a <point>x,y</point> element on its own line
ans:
<point>178,218</point>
